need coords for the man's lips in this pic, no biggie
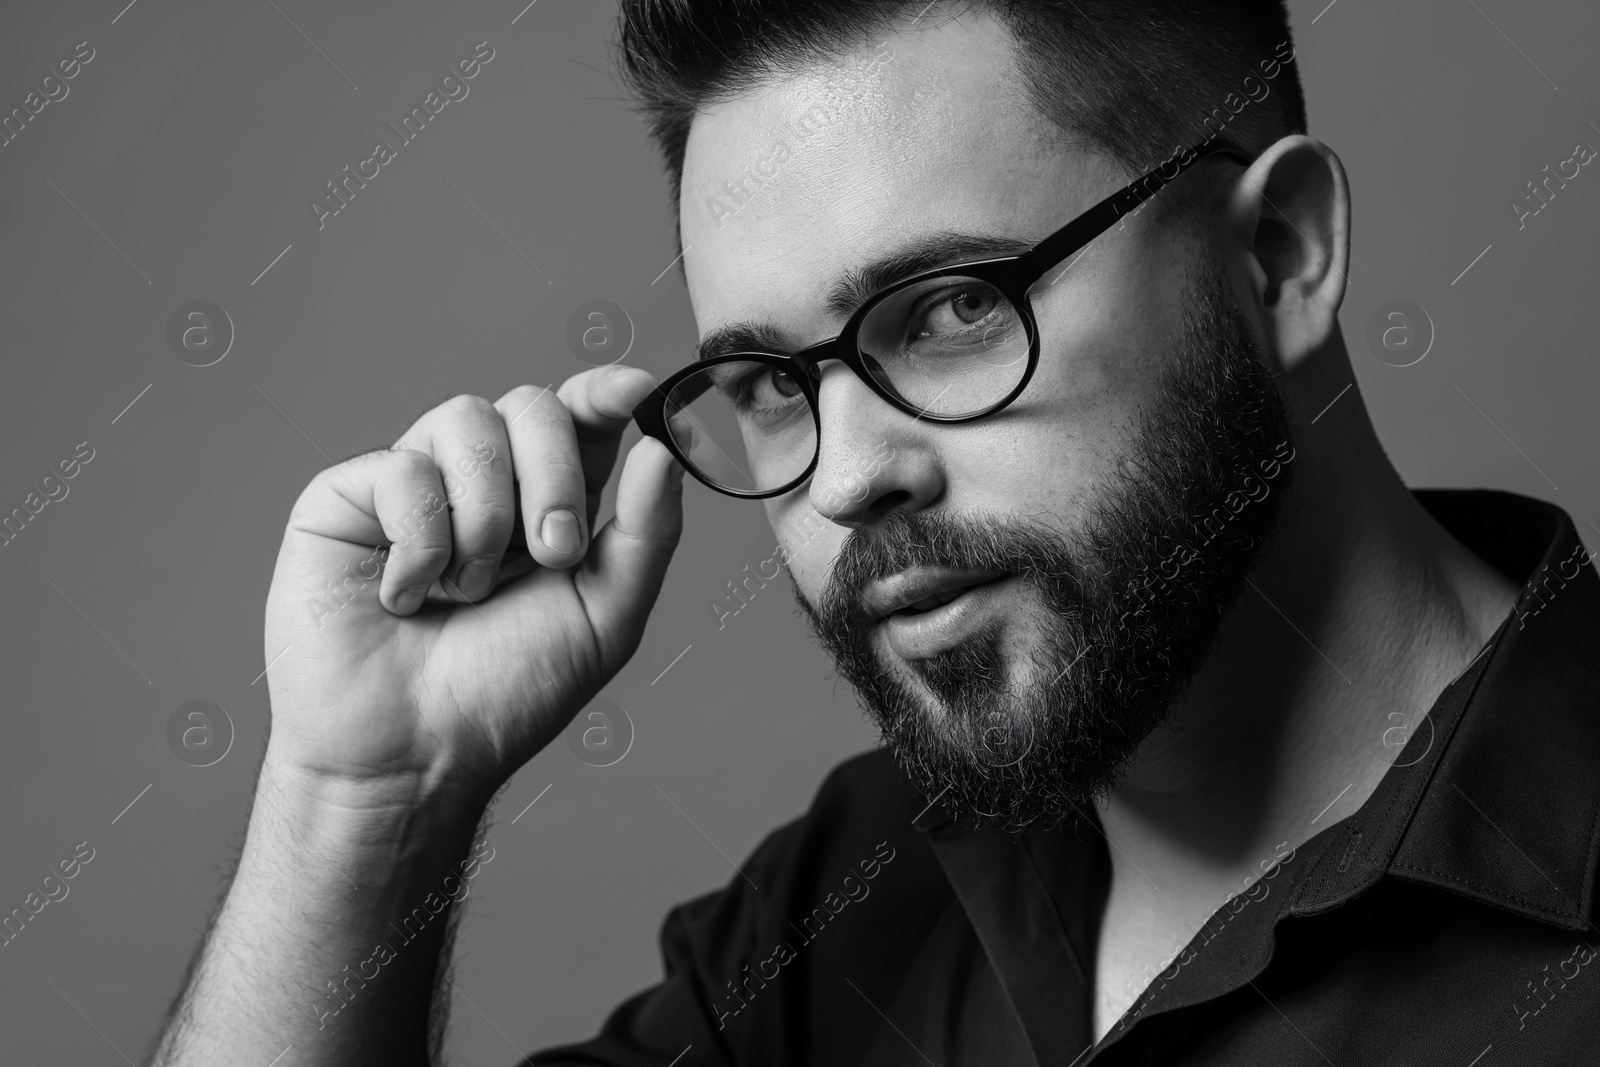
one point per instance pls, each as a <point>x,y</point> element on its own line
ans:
<point>928,610</point>
<point>919,589</point>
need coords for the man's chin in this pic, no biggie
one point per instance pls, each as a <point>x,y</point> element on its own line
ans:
<point>960,729</point>
<point>995,780</point>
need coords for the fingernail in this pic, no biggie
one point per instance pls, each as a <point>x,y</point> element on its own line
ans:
<point>560,531</point>
<point>409,600</point>
<point>476,577</point>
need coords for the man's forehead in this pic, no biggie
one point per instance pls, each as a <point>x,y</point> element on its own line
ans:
<point>817,184</point>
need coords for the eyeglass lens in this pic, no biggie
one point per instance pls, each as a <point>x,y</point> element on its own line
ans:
<point>949,345</point>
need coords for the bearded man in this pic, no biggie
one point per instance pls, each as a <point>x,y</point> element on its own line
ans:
<point>1206,740</point>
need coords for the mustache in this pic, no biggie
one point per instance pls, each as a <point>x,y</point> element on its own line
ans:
<point>934,539</point>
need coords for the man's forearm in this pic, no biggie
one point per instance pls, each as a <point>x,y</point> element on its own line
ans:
<point>329,939</point>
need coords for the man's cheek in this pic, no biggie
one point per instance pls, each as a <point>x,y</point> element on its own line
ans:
<point>805,586</point>
<point>808,569</point>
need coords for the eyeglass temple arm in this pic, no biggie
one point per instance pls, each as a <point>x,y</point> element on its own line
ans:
<point>1100,218</point>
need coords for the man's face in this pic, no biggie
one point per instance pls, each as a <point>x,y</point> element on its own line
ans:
<point>1024,696</point>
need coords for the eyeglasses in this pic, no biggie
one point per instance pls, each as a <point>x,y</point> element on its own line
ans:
<point>952,344</point>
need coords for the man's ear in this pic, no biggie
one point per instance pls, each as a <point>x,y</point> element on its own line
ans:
<point>1290,216</point>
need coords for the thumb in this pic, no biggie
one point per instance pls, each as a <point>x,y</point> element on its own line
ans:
<point>622,572</point>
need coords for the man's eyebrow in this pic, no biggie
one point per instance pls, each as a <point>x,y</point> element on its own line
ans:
<point>739,337</point>
<point>856,285</point>
<point>924,253</point>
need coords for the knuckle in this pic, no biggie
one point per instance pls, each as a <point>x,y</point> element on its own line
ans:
<point>494,514</point>
<point>322,481</point>
<point>523,395</point>
<point>328,485</point>
<point>347,468</point>
<point>578,384</point>
<point>413,464</point>
<point>546,420</point>
<point>615,371</point>
<point>427,554</point>
<point>560,468</point>
<point>421,518</point>
<point>466,406</point>
<point>315,498</point>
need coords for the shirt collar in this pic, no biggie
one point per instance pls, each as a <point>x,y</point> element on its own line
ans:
<point>1496,799</point>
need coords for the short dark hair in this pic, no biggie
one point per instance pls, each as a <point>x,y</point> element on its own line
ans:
<point>1135,78</point>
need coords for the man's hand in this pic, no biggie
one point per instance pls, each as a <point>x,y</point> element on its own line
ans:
<point>489,506</point>
<point>403,699</point>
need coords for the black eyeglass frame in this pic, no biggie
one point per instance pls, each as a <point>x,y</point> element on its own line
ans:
<point>1012,276</point>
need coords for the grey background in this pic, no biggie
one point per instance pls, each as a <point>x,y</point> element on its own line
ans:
<point>193,140</point>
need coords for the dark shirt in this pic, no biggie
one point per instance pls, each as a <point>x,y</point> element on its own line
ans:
<point>1447,921</point>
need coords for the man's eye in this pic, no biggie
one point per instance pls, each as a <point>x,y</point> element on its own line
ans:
<point>768,389</point>
<point>782,384</point>
<point>956,310</point>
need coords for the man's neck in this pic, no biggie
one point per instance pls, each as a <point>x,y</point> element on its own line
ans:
<point>1362,609</point>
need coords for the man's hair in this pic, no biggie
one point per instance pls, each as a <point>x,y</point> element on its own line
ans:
<point>1134,78</point>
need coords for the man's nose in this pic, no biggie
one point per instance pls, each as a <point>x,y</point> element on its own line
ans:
<point>872,458</point>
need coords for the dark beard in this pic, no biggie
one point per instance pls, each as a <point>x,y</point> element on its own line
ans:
<point>1135,596</point>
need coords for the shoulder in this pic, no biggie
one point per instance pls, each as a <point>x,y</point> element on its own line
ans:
<point>858,827</point>
<point>756,971</point>
<point>863,804</point>
<point>864,791</point>
<point>849,889</point>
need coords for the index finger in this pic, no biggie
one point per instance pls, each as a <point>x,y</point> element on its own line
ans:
<point>601,403</point>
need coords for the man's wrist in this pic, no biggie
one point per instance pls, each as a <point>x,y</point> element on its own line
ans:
<point>330,936</point>
<point>382,823</point>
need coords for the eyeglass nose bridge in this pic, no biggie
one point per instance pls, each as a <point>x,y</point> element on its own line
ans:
<point>844,349</point>
<point>810,360</point>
